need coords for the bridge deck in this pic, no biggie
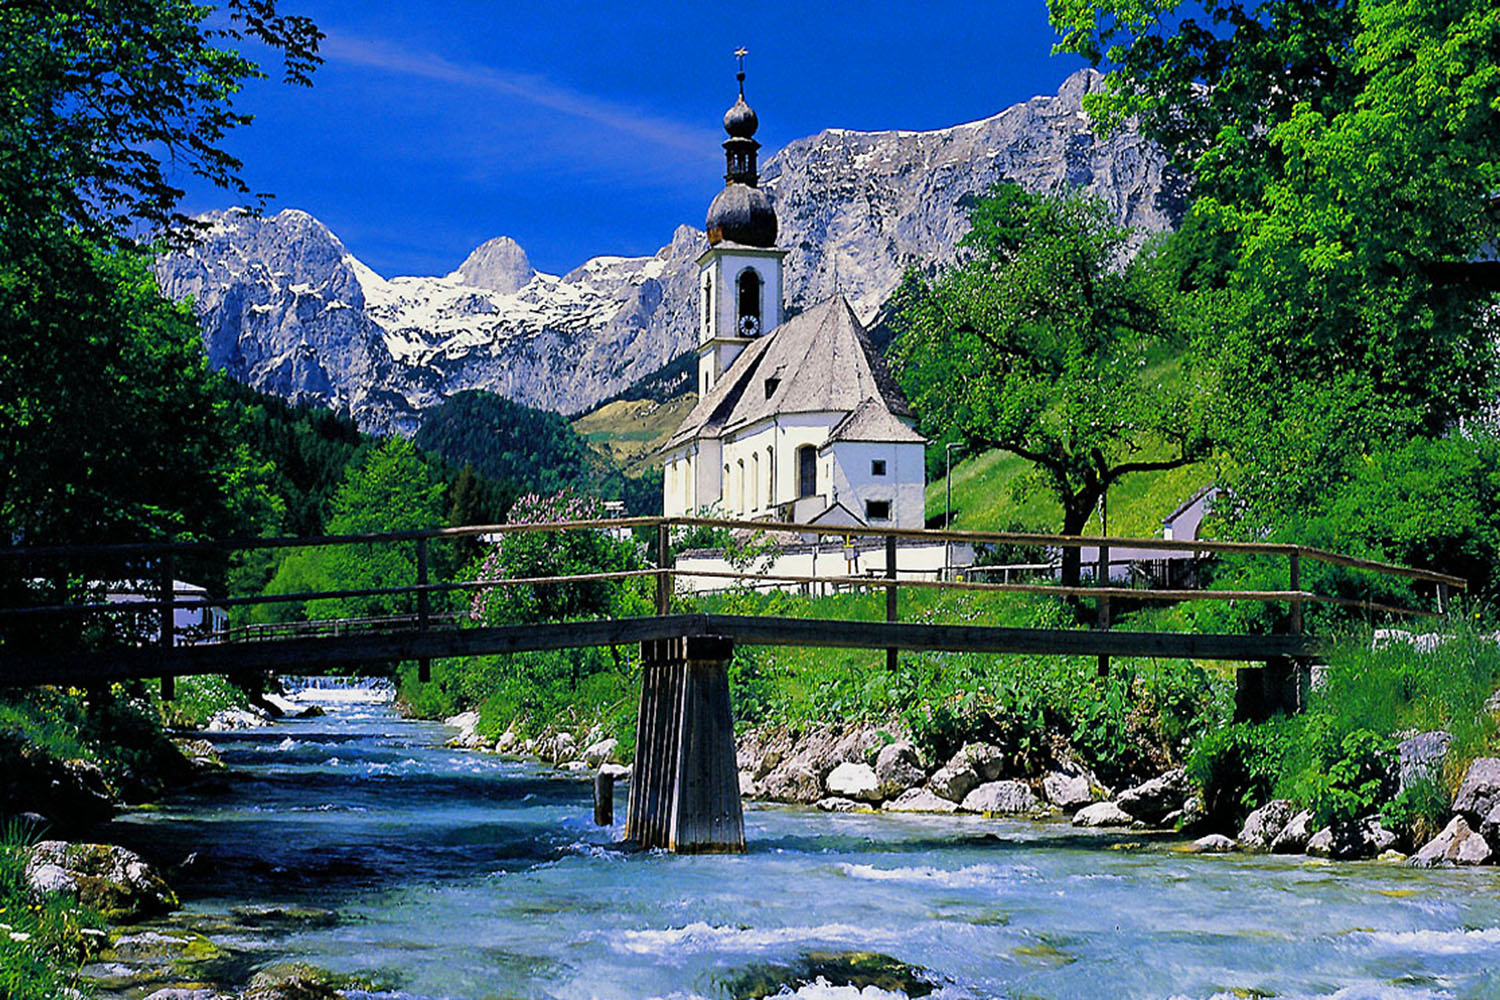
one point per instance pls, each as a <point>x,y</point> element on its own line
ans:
<point>311,655</point>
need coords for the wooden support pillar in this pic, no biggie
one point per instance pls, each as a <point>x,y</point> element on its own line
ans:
<point>664,585</point>
<point>685,789</point>
<point>890,595</point>
<point>1103,622</point>
<point>604,799</point>
<point>1442,598</point>
<point>167,622</point>
<point>424,607</point>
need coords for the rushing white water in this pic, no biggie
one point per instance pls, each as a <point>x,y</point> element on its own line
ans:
<point>462,876</point>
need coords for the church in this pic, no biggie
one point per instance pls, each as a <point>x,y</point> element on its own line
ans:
<point>798,419</point>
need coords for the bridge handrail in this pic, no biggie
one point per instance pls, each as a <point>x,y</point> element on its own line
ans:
<point>1196,546</point>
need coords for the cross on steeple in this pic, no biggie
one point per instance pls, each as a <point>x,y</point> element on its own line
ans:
<point>740,54</point>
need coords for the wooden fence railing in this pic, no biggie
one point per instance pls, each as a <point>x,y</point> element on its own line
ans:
<point>41,580</point>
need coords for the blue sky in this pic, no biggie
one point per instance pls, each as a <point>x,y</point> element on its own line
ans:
<point>581,129</point>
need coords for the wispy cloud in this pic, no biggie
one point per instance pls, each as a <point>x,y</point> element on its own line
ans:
<point>532,89</point>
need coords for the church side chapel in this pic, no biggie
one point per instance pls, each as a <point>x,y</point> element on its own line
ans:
<point>797,419</point>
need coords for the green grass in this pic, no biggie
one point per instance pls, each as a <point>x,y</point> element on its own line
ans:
<point>43,943</point>
<point>997,491</point>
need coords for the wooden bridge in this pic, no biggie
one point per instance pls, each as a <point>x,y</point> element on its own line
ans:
<point>685,793</point>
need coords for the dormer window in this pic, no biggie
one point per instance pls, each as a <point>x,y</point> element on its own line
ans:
<point>772,384</point>
<point>749,286</point>
<point>877,467</point>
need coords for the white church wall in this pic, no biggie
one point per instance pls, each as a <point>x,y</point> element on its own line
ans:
<point>857,484</point>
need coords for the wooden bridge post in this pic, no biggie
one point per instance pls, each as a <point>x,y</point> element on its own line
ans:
<point>685,790</point>
<point>167,622</point>
<point>1103,599</point>
<point>890,595</point>
<point>1442,598</point>
<point>424,608</point>
<point>664,583</point>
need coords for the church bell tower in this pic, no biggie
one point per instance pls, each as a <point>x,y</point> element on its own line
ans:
<point>739,275</point>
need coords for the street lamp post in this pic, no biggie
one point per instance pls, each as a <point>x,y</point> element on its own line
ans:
<point>948,506</point>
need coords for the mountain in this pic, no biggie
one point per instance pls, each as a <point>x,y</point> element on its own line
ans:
<point>286,308</point>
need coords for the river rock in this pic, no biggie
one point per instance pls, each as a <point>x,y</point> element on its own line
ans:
<point>897,769</point>
<point>293,981</point>
<point>953,783</point>
<point>1214,843</point>
<point>1349,841</point>
<point>793,781</point>
<point>919,800</point>
<point>987,761</point>
<point>854,781</point>
<point>1001,797</point>
<point>229,719</point>
<point>564,747</point>
<point>1294,836</point>
<point>1102,814</point>
<point>465,723</point>
<point>1421,756</point>
<point>1068,792</point>
<point>1479,792</point>
<point>749,787</point>
<point>1264,825</point>
<point>838,804</point>
<point>598,753</point>
<point>1458,844</point>
<point>116,882</point>
<point>619,772</point>
<point>1151,801</point>
<point>187,993</point>
<point>507,741</point>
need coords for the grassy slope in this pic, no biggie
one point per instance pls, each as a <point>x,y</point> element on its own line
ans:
<point>989,493</point>
<point>631,431</point>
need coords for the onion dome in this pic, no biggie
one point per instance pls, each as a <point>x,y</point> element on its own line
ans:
<point>742,214</point>
<point>740,121</point>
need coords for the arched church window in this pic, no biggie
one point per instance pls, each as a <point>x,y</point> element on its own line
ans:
<point>807,471</point>
<point>708,304</point>
<point>749,301</point>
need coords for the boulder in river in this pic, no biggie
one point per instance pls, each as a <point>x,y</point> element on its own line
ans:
<point>1152,801</point>
<point>1213,843</point>
<point>1294,836</point>
<point>838,804</point>
<point>854,781</point>
<point>1262,826</point>
<point>1102,814</point>
<point>1458,844</point>
<point>116,882</point>
<point>792,781</point>
<point>919,800</point>
<point>953,783</point>
<point>1068,792</point>
<point>293,981</point>
<point>598,753</point>
<point>1479,792</point>
<point>987,761</point>
<point>1004,797</point>
<point>897,768</point>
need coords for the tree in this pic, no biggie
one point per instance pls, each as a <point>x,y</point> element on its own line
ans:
<point>1348,155</point>
<point>96,94</point>
<point>392,489</point>
<point>1043,344</point>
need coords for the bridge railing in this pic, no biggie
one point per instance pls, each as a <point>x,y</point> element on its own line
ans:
<point>63,584</point>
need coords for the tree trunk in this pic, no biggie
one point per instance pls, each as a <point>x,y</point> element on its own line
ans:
<point>1075,518</point>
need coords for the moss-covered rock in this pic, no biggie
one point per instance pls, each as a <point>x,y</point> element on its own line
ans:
<point>116,882</point>
<point>856,969</point>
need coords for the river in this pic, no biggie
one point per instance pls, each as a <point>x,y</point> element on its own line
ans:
<point>463,876</point>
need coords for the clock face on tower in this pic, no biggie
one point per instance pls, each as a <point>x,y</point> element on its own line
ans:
<point>749,326</point>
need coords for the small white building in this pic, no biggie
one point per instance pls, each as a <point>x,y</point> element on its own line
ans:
<point>797,420</point>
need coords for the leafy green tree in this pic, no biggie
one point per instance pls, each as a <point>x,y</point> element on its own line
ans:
<point>101,101</point>
<point>392,489</point>
<point>1041,343</point>
<point>1347,157</point>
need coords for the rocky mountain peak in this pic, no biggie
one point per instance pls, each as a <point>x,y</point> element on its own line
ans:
<point>499,265</point>
<point>286,308</point>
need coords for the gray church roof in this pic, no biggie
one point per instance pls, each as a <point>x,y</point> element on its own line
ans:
<point>820,361</point>
<point>872,422</point>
